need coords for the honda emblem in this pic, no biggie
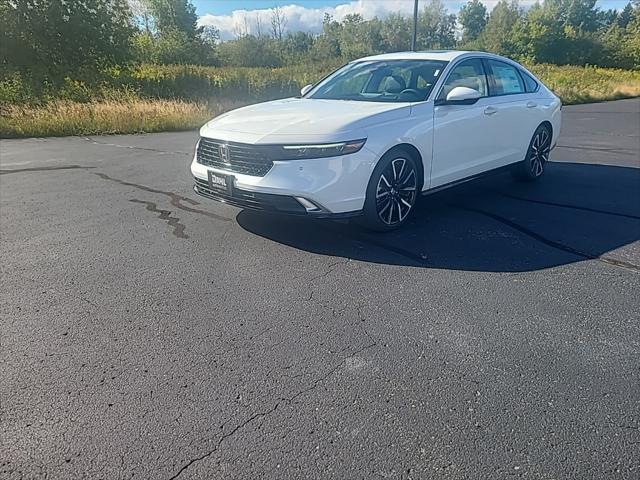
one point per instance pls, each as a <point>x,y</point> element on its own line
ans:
<point>223,151</point>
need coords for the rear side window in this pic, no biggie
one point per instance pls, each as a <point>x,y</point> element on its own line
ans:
<point>506,79</point>
<point>530,84</point>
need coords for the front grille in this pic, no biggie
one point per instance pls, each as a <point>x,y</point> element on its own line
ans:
<point>242,158</point>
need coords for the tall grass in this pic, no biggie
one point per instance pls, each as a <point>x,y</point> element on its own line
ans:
<point>152,98</point>
<point>588,84</point>
<point>228,83</point>
<point>64,117</point>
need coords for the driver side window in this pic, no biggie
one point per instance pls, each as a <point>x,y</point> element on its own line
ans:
<point>468,73</point>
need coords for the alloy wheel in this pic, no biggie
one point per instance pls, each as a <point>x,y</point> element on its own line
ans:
<point>396,191</point>
<point>540,148</point>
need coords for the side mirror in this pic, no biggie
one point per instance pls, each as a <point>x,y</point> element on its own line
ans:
<point>461,96</point>
<point>305,90</point>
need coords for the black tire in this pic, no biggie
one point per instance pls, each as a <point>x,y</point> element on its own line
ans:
<point>392,191</point>
<point>534,163</point>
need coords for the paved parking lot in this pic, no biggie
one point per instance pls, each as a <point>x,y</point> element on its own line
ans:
<point>150,333</point>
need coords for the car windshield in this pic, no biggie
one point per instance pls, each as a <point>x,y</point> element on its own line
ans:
<point>381,81</point>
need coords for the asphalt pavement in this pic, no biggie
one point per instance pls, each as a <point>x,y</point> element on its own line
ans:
<point>150,333</point>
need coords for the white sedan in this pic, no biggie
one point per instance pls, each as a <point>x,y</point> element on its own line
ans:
<point>370,137</point>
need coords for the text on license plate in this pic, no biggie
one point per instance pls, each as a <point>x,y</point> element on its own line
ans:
<point>217,181</point>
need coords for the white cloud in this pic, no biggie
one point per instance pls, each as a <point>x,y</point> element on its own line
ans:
<point>300,18</point>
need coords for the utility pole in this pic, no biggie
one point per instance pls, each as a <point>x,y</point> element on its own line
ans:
<point>415,25</point>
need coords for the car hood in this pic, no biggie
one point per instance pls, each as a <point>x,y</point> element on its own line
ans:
<point>299,118</point>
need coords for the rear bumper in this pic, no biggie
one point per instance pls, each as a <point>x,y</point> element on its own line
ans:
<point>266,202</point>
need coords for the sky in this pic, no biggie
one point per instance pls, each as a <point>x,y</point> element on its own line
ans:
<point>306,15</point>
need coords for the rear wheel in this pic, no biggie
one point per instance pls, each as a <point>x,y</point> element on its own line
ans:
<point>392,192</point>
<point>533,165</point>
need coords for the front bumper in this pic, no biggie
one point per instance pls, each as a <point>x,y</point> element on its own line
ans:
<point>266,202</point>
<point>337,185</point>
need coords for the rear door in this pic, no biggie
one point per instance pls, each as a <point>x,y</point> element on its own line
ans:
<point>516,112</point>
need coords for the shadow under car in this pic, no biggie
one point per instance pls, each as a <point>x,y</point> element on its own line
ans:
<point>575,212</point>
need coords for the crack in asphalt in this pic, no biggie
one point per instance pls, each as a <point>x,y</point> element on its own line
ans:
<point>403,252</point>
<point>178,228</point>
<point>552,243</point>
<point>564,205</point>
<point>175,199</point>
<point>44,169</point>
<point>330,268</point>
<point>335,312</point>
<point>368,239</point>
<point>222,439</point>
<point>311,386</point>
<point>281,401</point>
<point>132,147</point>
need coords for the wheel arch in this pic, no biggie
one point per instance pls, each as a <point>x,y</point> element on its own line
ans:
<point>415,153</point>
<point>547,124</point>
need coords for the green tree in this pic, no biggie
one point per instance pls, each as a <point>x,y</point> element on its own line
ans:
<point>538,37</point>
<point>632,43</point>
<point>173,35</point>
<point>606,18</point>
<point>172,15</point>
<point>175,47</point>
<point>579,14</point>
<point>396,33</point>
<point>250,51</point>
<point>473,18</point>
<point>298,42</point>
<point>626,16</point>
<point>358,37</point>
<point>622,44</point>
<point>56,39</point>
<point>496,37</point>
<point>327,45</point>
<point>436,26</point>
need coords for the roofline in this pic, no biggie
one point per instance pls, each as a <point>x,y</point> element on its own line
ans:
<point>454,55</point>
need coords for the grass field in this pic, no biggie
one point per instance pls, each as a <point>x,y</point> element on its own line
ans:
<point>154,98</point>
<point>576,85</point>
<point>64,117</point>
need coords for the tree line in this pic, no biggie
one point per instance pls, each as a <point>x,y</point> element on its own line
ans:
<point>552,31</point>
<point>53,39</point>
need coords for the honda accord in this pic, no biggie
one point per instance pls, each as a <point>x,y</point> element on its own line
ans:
<point>369,138</point>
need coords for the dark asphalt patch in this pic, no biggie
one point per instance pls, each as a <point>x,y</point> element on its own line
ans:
<point>43,169</point>
<point>178,228</point>
<point>176,200</point>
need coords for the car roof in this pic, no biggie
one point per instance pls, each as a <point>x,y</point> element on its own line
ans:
<point>443,55</point>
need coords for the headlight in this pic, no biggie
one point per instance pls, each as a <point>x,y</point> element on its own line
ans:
<point>291,152</point>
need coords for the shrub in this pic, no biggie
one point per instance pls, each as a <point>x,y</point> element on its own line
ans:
<point>168,97</point>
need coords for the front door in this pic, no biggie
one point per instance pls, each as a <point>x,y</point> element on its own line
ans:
<point>464,135</point>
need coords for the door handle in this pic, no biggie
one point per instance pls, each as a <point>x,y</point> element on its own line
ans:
<point>531,104</point>
<point>490,110</point>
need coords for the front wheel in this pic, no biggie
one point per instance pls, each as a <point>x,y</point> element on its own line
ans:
<point>392,192</point>
<point>533,165</point>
